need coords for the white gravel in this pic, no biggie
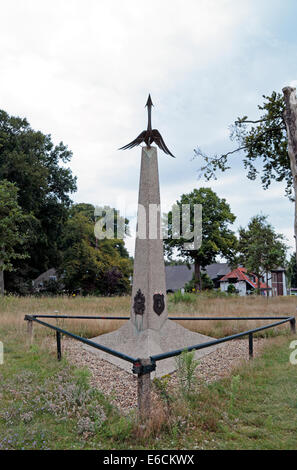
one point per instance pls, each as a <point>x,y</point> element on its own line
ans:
<point>121,387</point>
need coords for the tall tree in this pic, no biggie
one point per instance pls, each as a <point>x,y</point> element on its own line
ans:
<point>292,271</point>
<point>260,248</point>
<point>290,117</point>
<point>12,237</point>
<point>217,238</point>
<point>38,167</point>
<point>268,143</point>
<point>90,265</point>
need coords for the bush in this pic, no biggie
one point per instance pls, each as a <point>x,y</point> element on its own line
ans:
<point>207,283</point>
<point>179,297</point>
<point>232,289</point>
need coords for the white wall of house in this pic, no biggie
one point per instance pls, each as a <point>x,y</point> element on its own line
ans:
<point>224,286</point>
<point>240,286</point>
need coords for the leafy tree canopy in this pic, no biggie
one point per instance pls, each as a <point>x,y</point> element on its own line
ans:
<point>264,143</point>
<point>39,170</point>
<point>14,229</point>
<point>217,238</point>
<point>89,265</point>
<point>292,271</point>
<point>260,248</point>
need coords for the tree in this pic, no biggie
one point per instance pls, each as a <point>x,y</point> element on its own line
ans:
<point>90,265</point>
<point>217,238</point>
<point>11,236</point>
<point>29,159</point>
<point>260,248</point>
<point>206,283</point>
<point>292,271</point>
<point>270,140</point>
<point>290,117</point>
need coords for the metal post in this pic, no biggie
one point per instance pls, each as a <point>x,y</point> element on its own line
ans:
<point>59,352</point>
<point>251,346</point>
<point>30,332</point>
<point>143,368</point>
<point>293,326</point>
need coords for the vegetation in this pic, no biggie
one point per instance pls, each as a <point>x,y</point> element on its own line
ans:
<point>260,248</point>
<point>217,238</point>
<point>263,140</point>
<point>292,271</point>
<point>88,265</point>
<point>50,405</point>
<point>36,166</point>
<point>12,236</point>
<point>40,227</point>
<point>264,146</point>
<point>186,367</point>
<point>46,404</point>
<point>13,309</point>
<point>206,283</point>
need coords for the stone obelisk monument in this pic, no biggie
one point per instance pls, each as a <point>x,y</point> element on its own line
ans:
<point>149,286</point>
<point>149,331</point>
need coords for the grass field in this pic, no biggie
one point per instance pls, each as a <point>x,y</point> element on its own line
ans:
<point>45,404</point>
<point>13,309</point>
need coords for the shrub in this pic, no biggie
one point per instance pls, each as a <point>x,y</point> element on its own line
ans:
<point>186,367</point>
<point>179,297</point>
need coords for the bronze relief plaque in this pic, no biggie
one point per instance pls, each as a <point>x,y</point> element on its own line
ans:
<point>139,303</point>
<point>159,303</point>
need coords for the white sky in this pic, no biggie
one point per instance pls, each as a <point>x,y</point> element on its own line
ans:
<point>82,70</point>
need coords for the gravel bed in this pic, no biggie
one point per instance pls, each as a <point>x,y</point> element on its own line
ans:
<point>121,387</point>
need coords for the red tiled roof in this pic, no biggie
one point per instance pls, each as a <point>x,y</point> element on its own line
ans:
<point>240,274</point>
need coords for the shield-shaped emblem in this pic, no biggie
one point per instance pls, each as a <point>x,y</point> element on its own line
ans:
<point>159,303</point>
<point>139,303</point>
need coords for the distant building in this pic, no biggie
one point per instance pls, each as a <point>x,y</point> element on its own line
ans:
<point>246,283</point>
<point>276,280</point>
<point>42,279</point>
<point>178,276</point>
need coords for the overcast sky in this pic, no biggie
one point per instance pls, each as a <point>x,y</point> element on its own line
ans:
<point>81,70</point>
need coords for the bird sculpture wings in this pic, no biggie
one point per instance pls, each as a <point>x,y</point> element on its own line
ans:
<point>150,135</point>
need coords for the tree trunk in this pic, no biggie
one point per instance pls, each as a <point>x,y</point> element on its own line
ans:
<point>267,292</point>
<point>258,285</point>
<point>198,282</point>
<point>290,117</point>
<point>1,279</point>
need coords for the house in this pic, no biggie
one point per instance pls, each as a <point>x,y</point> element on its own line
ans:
<point>216,271</point>
<point>276,280</point>
<point>272,283</point>
<point>245,283</point>
<point>178,276</point>
<point>42,279</point>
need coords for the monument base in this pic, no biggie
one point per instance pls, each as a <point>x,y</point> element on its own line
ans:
<point>148,342</point>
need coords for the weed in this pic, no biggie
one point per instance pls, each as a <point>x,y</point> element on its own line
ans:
<point>235,382</point>
<point>186,367</point>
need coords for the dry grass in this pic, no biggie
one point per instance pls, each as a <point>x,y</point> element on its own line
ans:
<point>13,309</point>
<point>236,307</point>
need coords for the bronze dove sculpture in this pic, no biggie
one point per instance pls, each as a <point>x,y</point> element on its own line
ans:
<point>150,135</point>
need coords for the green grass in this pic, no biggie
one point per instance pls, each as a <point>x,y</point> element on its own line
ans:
<point>45,404</point>
<point>256,408</point>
